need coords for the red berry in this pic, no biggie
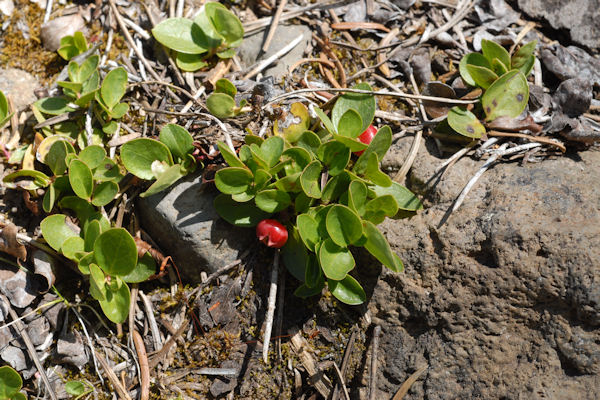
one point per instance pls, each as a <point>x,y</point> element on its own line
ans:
<point>271,233</point>
<point>366,137</point>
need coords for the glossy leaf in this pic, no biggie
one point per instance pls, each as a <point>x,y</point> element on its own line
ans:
<point>54,105</point>
<point>221,105</point>
<point>353,144</point>
<point>56,230</point>
<point>75,388</point>
<point>295,255</point>
<point>10,382</point>
<point>71,247</point>
<point>114,86</point>
<point>327,123</point>
<point>83,209</point>
<point>190,62</point>
<point>481,76</point>
<point>229,156</point>
<point>304,291</point>
<point>492,50</point>
<point>364,104</point>
<point>507,97</point>
<point>55,159</point>
<point>115,252</point>
<point>92,156</point>
<point>91,234</point>
<point>145,268</point>
<point>499,67</point>
<point>380,207</point>
<point>227,25</point>
<point>171,175</point>
<point>405,199</point>
<point>476,59</point>
<point>225,86</point>
<point>290,183</point>
<point>104,193</point>
<point>180,34</point>
<point>343,225</point>
<point>273,200</point>
<point>299,158</point>
<point>379,247</point>
<point>523,59</point>
<point>233,180</point>
<point>379,145</point>
<point>309,141</point>
<point>116,305</point>
<point>347,290</point>
<point>357,197</point>
<point>374,174</point>
<point>335,187</point>
<point>335,156</point>
<point>239,214</point>
<point>177,139</point>
<point>81,179</point>
<point>139,154</point>
<point>350,124</point>
<point>308,229</point>
<point>313,276</point>
<point>108,170</point>
<point>465,122</point>
<point>335,261</point>
<point>310,180</point>
<point>271,150</point>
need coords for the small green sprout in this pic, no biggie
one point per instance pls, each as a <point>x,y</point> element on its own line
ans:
<point>10,384</point>
<point>72,46</point>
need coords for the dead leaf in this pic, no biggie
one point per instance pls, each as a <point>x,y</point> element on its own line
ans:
<point>359,25</point>
<point>9,243</point>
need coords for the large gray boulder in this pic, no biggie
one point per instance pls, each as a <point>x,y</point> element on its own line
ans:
<point>503,301</point>
<point>184,223</point>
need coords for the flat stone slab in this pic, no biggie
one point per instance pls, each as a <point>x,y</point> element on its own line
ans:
<point>184,223</point>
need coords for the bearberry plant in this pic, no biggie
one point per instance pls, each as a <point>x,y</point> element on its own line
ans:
<point>330,200</point>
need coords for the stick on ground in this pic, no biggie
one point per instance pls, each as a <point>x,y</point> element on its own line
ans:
<point>271,307</point>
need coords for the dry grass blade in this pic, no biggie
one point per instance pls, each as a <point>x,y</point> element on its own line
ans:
<point>409,382</point>
<point>144,367</point>
<point>273,26</point>
<point>157,357</point>
<point>340,26</point>
<point>112,377</point>
<point>381,59</point>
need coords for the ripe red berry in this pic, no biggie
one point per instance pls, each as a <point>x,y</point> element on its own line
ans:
<point>271,233</point>
<point>366,137</point>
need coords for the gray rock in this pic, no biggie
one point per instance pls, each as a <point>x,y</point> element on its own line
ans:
<point>184,223</point>
<point>71,350</point>
<point>250,48</point>
<point>480,296</point>
<point>579,17</point>
<point>20,86</point>
<point>571,62</point>
<point>57,28</point>
<point>573,96</point>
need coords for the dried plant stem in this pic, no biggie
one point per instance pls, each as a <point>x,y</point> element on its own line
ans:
<point>271,307</point>
<point>144,368</point>
<point>409,382</point>
<point>274,24</point>
<point>373,368</point>
<point>112,377</point>
<point>264,64</point>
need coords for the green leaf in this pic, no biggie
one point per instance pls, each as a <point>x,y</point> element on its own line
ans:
<point>357,196</point>
<point>350,124</point>
<point>353,144</point>
<point>10,382</point>
<point>271,150</point>
<point>327,123</point>
<point>87,68</point>
<point>119,110</point>
<point>304,291</point>
<point>80,42</point>
<point>465,122</point>
<point>233,180</point>
<point>225,86</point>
<point>335,261</point>
<point>221,105</point>
<point>481,76</point>
<point>56,230</point>
<point>177,139</point>
<point>523,59</point>
<point>114,86</point>
<point>229,53</point>
<point>302,203</point>
<point>364,104</point>
<point>507,97</point>
<point>308,229</point>
<point>91,234</point>
<point>405,199</point>
<point>190,62</point>
<point>74,86</point>
<point>49,199</point>
<point>54,105</point>
<point>343,225</point>
<point>299,158</point>
<point>335,187</point>
<point>294,255</point>
<point>55,158</point>
<point>313,276</point>
<point>227,25</point>
<point>379,247</point>
<point>273,200</point>
<point>239,214</point>
<point>19,396</point>
<point>181,35</point>
<point>164,180</point>
<point>81,179</point>
<point>320,215</point>
<point>108,170</point>
<point>347,290</point>
<point>229,156</point>
<point>116,305</point>
<point>476,59</point>
<point>145,268</point>
<point>379,145</point>
<point>75,388</point>
<point>310,180</point>
<point>309,141</point>
<point>296,122</point>
<point>104,193</point>
<point>380,207</point>
<point>71,247</point>
<point>36,180</point>
<point>335,156</point>
<point>374,174</point>
<point>93,156</point>
<point>4,110</point>
<point>492,50</point>
<point>498,67</point>
<point>83,209</point>
<point>115,252</point>
<point>290,183</point>
<point>139,154</point>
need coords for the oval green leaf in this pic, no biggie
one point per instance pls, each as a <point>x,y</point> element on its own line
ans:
<point>481,76</point>
<point>295,255</point>
<point>363,104</point>
<point>115,252</point>
<point>350,124</point>
<point>239,214</point>
<point>379,145</point>
<point>335,261</point>
<point>56,230</point>
<point>75,388</point>
<point>465,122</point>
<point>308,229</point>
<point>93,156</point>
<point>221,105</point>
<point>379,247</point>
<point>116,305</point>
<point>180,34</point>
<point>380,207</point>
<point>104,193</point>
<point>272,200</point>
<point>177,139</point>
<point>357,196</point>
<point>310,180</point>
<point>472,59</point>
<point>405,199</point>
<point>492,50</point>
<point>233,180</point>
<point>343,225</point>
<point>113,87</point>
<point>81,179</point>
<point>507,97</point>
<point>10,382</point>
<point>139,154</point>
<point>348,290</point>
<point>334,155</point>
<point>145,268</point>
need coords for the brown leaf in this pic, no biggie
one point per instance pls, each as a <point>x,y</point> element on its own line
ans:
<point>9,243</point>
<point>359,25</point>
<point>515,125</point>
